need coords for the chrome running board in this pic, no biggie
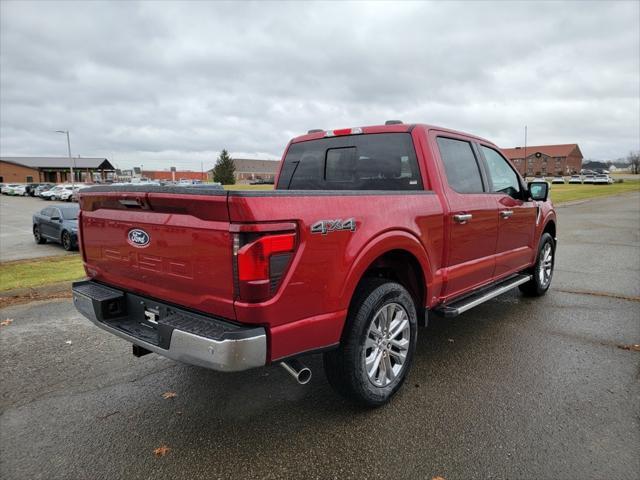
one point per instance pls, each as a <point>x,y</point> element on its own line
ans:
<point>458,306</point>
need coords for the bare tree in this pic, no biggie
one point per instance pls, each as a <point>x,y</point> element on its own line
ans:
<point>634,161</point>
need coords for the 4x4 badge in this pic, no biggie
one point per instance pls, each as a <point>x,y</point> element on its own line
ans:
<point>328,226</point>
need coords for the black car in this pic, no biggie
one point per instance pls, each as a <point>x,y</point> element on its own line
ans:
<point>58,223</point>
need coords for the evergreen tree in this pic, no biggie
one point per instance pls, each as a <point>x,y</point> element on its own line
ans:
<point>224,169</point>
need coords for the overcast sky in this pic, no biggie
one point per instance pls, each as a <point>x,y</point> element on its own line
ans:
<point>161,84</point>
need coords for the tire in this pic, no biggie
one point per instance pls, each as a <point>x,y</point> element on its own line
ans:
<point>365,344</point>
<point>66,241</point>
<point>542,272</point>
<point>38,236</point>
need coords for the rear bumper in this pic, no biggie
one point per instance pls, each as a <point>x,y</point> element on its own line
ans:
<point>171,331</point>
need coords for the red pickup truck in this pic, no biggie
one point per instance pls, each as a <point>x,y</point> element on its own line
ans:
<point>367,230</point>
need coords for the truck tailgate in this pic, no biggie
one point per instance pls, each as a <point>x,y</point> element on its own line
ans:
<point>171,246</point>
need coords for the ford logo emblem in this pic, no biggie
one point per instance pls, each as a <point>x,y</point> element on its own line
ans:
<point>138,238</point>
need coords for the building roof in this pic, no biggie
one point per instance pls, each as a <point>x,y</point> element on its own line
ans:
<point>59,162</point>
<point>563,150</point>
<point>249,165</point>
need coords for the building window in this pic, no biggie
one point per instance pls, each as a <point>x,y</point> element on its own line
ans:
<point>29,179</point>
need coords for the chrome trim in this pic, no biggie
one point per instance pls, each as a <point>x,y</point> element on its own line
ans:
<point>462,218</point>
<point>493,293</point>
<point>222,355</point>
<point>297,370</point>
<point>506,213</point>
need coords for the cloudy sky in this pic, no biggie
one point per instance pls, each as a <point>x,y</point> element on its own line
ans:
<point>161,84</point>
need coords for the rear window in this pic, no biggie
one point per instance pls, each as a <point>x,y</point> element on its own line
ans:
<point>384,161</point>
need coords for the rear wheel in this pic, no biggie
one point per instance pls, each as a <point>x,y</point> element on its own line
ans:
<point>542,272</point>
<point>38,236</point>
<point>67,242</point>
<point>378,344</point>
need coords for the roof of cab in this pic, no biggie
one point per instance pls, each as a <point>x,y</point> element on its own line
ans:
<point>394,128</point>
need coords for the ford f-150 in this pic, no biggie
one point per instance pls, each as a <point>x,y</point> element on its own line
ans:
<point>367,231</point>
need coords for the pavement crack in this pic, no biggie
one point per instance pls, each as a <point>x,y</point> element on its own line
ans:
<point>630,298</point>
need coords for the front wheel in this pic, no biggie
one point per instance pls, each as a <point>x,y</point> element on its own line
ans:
<point>377,346</point>
<point>542,272</point>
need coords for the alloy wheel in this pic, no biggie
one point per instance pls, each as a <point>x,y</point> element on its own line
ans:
<point>387,344</point>
<point>546,265</point>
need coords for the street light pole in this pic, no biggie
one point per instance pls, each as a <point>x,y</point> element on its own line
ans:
<point>71,161</point>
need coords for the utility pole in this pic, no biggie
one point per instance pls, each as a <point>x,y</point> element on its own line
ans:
<point>71,160</point>
<point>525,152</point>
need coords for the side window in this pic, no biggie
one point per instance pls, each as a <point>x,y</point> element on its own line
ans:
<point>463,172</point>
<point>46,212</point>
<point>55,213</point>
<point>502,176</point>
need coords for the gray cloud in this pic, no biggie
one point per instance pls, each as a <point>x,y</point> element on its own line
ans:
<point>165,84</point>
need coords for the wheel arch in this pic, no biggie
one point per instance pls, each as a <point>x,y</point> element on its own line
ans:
<point>398,256</point>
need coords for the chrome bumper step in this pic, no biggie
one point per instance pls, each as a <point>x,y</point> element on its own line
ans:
<point>461,305</point>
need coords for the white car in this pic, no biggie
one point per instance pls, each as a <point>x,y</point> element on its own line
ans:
<point>601,179</point>
<point>588,179</point>
<point>20,190</point>
<point>558,179</point>
<point>65,194</point>
<point>50,194</point>
<point>8,188</point>
<point>575,179</point>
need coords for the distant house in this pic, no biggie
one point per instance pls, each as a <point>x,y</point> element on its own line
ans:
<point>248,169</point>
<point>53,169</point>
<point>546,159</point>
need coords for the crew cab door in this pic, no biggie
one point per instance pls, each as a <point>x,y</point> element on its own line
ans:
<point>472,218</point>
<point>516,215</point>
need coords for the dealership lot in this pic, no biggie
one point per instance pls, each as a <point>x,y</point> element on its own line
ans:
<point>516,388</point>
<point>16,236</point>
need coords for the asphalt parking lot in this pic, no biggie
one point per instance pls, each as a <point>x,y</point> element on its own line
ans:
<point>16,236</point>
<point>516,388</point>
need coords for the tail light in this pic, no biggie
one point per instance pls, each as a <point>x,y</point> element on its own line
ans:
<point>261,258</point>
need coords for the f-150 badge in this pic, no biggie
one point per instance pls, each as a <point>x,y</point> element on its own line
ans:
<point>328,226</point>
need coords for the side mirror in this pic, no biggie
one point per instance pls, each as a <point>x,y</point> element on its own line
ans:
<point>539,191</point>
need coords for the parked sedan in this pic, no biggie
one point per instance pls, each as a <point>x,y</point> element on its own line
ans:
<point>558,179</point>
<point>601,179</point>
<point>58,223</point>
<point>8,188</point>
<point>50,194</point>
<point>588,179</point>
<point>40,189</point>
<point>575,179</point>
<point>64,194</point>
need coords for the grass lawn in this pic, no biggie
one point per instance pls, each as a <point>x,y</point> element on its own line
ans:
<point>569,193</point>
<point>40,271</point>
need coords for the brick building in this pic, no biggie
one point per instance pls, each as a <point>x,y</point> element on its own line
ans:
<point>248,169</point>
<point>546,159</point>
<point>53,169</point>
<point>174,176</point>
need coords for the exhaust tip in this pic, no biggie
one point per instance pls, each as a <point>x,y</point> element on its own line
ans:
<point>297,370</point>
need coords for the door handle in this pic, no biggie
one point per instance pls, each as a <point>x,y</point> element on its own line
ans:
<point>506,213</point>
<point>462,217</point>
